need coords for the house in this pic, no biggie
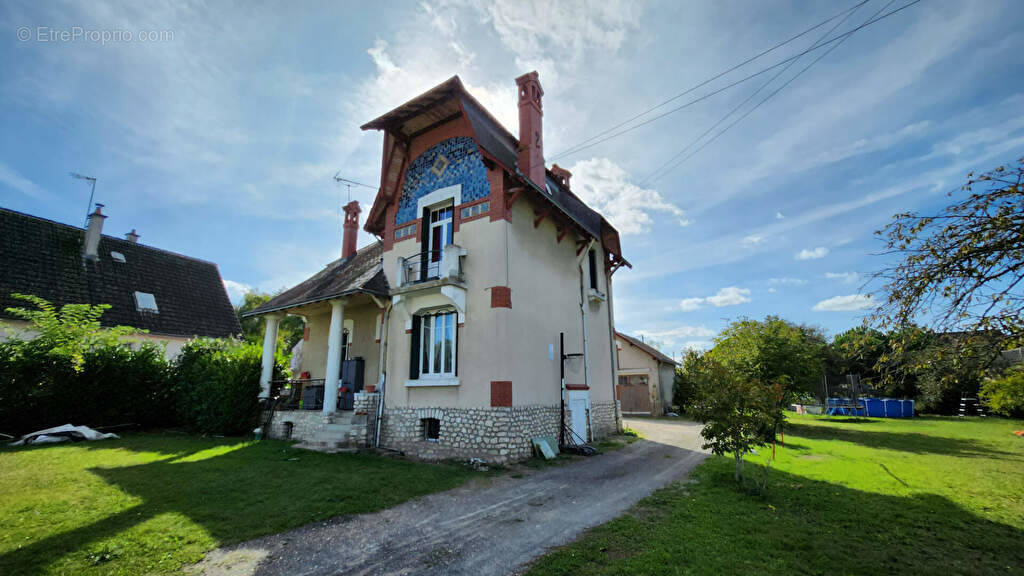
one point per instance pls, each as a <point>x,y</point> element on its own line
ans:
<point>645,377</point>
<point>444,339</point>
<point>171,296</point>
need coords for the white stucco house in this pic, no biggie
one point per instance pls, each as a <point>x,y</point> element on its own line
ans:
<point>646,377</point>
<point>443,338</point>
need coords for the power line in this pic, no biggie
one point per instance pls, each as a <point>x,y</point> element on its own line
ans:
<point>706,82</point>
<point>654,175</point>
<point>740,81</point>
<point>765,99</point>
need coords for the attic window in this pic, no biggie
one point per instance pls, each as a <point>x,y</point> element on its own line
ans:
<point>440,165</point>
<point>548,188</point>
<point>145,302</point>
<point>118,257</point>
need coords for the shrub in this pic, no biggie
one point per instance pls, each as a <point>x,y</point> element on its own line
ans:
<point>1005,395</point>
<point>218,384</point>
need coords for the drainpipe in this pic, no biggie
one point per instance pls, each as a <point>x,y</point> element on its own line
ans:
<point>383,373</point>
<point>583,318</point>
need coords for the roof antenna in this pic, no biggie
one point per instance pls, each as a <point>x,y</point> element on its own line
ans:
<point>92,192</point>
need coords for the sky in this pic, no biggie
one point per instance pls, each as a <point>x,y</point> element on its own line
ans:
<point>215,130</point>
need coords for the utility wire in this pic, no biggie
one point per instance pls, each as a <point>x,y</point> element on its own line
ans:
<point>656,173</point>
<point>766,98</point>
<point>705,82</point>
<point>740,81</point>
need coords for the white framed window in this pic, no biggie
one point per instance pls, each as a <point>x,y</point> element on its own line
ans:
<point>145,302</point>
<point>437,344</point>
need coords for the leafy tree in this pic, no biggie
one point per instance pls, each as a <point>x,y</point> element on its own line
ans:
<point>739,413</point>
<point>962,270</point>
<point>774,352</point>
<point>1005,395</point>
<point>684,384</point>
<point>70,332</point>
<point>289,331</point>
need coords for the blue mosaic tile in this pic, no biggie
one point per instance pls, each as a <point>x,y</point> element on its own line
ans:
<point>465,167</point>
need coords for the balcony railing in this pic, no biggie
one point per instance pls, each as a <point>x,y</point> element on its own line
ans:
<point>298,394</point>
<point>445,264</point>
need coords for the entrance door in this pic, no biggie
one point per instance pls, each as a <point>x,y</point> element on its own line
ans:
<point>634,394</point>
<point>578,406</point>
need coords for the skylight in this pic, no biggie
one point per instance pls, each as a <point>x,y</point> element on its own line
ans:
<point>145,302</point>
<point>118,257</point>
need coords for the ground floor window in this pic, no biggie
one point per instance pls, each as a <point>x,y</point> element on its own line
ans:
<point>437,344</point>
<point>431,429</point>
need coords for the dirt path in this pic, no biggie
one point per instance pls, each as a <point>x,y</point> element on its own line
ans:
<point>488,527</point>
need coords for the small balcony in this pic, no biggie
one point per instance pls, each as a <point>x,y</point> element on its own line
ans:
<point>432,266</point>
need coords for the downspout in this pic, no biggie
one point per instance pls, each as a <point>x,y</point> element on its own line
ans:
<point>614,357</point>
<point>583,318</point>
<point>383,374</point>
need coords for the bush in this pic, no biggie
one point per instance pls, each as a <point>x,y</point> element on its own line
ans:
<point>218,384</point>
<point>1005,395</point>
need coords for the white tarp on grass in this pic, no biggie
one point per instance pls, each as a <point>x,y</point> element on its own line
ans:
<point>62,434</point>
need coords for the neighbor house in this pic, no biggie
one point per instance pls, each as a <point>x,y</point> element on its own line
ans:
<point>172,297</point>
<point>646,376</point>
<point>444,337</point>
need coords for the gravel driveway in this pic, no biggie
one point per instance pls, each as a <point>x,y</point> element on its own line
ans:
<point>486,527</point>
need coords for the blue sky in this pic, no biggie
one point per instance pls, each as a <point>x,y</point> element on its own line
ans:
<point>219,138</point>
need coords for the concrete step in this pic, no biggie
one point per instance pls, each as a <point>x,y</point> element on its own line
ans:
<point>327,447</point>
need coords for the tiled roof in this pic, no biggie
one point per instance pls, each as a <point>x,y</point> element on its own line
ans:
<point>44,258</point>
<point>650,350</point>
<point>360,273</point>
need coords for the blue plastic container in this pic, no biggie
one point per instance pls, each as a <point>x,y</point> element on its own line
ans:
<point>908,408</point>
<point>875,407</point>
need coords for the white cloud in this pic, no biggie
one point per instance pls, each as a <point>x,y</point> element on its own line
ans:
<point>690,304</point>
<point>846,277</point>
<point>845,303</point>
<point>753,239</point>
<point>729,296</point>
<point>236,290</point>
<point>786,281</point>
<point>11,178</point>
<point>698,345</point>
<point>779,216</point>
<point>605,187</point>
<point>679,337</point>
<point>813,254</point>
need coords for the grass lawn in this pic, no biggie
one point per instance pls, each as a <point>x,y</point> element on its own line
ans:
<point>149,503</point>
<point>846,496</point>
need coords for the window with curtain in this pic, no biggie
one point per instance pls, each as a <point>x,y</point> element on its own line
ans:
<point>437,344</point>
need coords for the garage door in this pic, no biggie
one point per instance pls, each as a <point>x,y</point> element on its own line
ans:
<point>634,394</point>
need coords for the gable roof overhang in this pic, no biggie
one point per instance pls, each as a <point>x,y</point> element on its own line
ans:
<point>647,349</point>
<point>446,102</point>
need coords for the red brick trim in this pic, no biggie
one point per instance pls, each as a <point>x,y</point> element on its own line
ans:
<point>474,203</point>
<point>501,297</point>
<point>371,388</point>
<point>577,387</point>
<point>415,233</point>
<point>305,333</point>
<point>501,393</point>
<point>408,330</point>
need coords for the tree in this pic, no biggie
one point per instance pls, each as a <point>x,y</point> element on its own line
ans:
<point>774,352</point>
<point>684,384</point>
<point>72,331</point>
<point>289,331</point>
<point>962,270</point>
<point>738,413</point>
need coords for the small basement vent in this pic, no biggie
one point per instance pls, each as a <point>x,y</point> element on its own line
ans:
<point>118,257</point>
<point>145,302</point>
<point>431,429</point>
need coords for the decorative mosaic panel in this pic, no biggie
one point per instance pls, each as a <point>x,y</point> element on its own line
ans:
<point>464,166</point>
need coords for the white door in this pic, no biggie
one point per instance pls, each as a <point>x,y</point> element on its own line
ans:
<point>440,236</point>
<point>578,404</point>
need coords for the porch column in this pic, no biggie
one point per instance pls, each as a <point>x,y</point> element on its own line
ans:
<point>334,356</point>
<point>269,347</point>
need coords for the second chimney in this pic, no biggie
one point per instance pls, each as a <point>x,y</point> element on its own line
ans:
<point>562,175</point>
<point>531,129</point>
<point>350,229</point>
<point>93,233</point>
<point>132,236</point>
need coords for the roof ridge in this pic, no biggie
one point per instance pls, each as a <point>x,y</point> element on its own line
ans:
<point>109,237</point>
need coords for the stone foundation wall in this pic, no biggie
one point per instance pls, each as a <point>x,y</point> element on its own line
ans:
<point>605,419</point>
<point>498,435</point>
<point>355,427</point>
<point>305,424</point>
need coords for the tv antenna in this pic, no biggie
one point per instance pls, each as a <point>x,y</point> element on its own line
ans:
<point>92,192</point>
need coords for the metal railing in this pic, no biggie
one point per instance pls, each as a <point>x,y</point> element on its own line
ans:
<point>444,264</point>
<point>298,394</point>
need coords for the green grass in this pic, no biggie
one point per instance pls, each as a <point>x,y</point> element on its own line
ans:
<point>149,503</point>
<point>931,496</point>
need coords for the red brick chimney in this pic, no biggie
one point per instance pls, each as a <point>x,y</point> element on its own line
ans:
<point>531,130</point>
<point>351,229</point>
